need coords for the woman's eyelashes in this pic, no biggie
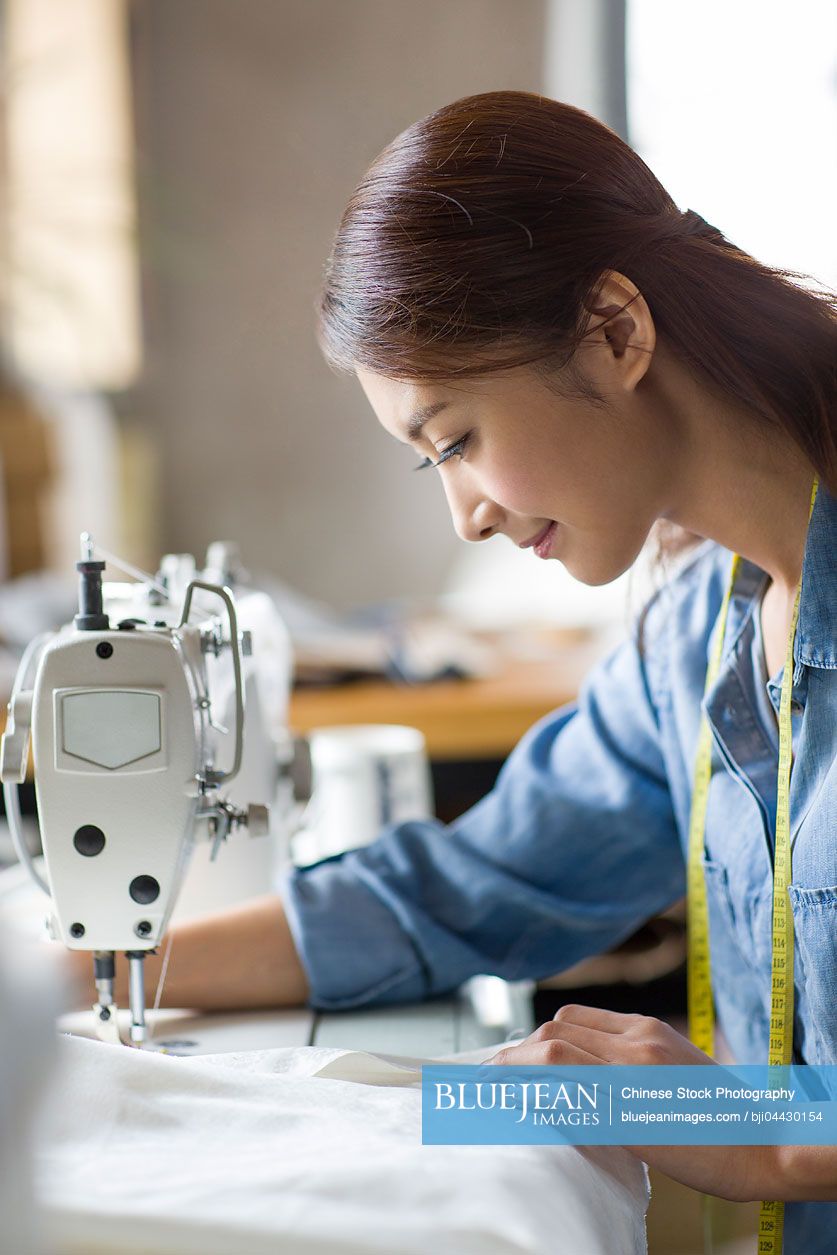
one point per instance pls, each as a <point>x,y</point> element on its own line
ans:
<point>452,451</point>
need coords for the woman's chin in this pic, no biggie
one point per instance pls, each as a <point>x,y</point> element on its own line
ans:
<point>596,570</point>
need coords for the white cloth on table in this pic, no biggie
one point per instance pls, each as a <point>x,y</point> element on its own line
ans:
<point>304,1151</point>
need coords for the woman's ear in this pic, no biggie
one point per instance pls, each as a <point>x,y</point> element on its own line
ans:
<point>619,318</point>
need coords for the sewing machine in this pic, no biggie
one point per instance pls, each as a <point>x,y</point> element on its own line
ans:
<point>141,747</point>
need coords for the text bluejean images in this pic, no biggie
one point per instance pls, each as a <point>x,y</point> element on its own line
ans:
<point>618,1106</point>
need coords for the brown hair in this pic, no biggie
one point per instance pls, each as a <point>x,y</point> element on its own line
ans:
<point>477,239</point>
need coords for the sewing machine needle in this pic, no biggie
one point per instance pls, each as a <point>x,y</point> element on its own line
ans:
<point>136,994</point>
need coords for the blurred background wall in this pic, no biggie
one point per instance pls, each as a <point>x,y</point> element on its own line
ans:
<point>255,121</point>
<point>173,175</point>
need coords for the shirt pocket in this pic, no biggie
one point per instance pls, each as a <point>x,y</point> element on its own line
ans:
<point>815,948</point>
<point>724,924</point>
<point>738,982</point>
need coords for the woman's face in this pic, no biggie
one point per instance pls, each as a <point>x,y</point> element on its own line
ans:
<point>524,459</point>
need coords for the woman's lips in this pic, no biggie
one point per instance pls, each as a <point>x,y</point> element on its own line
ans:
<point>542,543</point>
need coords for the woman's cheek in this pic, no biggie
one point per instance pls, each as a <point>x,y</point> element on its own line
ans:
<point>523,489</point>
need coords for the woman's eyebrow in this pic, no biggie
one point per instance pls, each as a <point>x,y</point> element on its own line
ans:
<point>416,421</point>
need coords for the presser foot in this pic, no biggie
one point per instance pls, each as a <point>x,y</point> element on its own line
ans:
<point>106,1023</point>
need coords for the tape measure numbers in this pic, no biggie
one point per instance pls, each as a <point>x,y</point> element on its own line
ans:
<point>698,966</point>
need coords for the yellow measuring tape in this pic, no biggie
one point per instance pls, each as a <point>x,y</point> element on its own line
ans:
<point>701,1012</point>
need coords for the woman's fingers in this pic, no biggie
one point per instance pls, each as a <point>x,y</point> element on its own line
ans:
<point>603,1037</point>
<point>558,1040</point>
<point>607,1047</point>
<point>598,1018</point>
<point>544,1050</point>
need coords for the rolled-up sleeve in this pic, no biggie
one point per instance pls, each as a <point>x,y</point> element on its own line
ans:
<point>574,847</point>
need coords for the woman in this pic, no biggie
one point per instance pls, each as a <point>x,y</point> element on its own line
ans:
<point>524,305</point>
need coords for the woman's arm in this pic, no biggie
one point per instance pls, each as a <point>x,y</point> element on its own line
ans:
<point>749,1174</point>
<point>575,846</point>
<point>241,957</point>
<point>807,1173</point>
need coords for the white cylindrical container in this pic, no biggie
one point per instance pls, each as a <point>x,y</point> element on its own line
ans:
<point>365,776</point>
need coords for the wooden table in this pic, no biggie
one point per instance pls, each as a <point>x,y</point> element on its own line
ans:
<point>462,719</point>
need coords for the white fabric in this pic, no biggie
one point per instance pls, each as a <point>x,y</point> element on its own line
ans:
<point>28,997</point>
<point>304,1151</point>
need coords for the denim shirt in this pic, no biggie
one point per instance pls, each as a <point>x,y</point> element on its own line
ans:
<point>584,835</point>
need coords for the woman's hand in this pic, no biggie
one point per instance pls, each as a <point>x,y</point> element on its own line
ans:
<point>589,1035</point>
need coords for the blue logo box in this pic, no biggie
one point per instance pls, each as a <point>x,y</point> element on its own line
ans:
<point>691,1105</point>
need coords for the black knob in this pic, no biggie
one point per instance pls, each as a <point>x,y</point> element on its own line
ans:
<point>104,649</point>
<point>77,930</point>
<point>144,889</point>
<point>89,840</point>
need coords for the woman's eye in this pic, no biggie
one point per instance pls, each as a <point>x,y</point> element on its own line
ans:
<point>452,451</point>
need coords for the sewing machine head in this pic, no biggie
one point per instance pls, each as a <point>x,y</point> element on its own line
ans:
<point>128,746</point>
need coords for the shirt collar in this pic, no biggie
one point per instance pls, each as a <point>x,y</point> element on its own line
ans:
<point>816,638</point>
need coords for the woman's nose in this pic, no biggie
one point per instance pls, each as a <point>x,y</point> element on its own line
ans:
<point>475,517</point>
